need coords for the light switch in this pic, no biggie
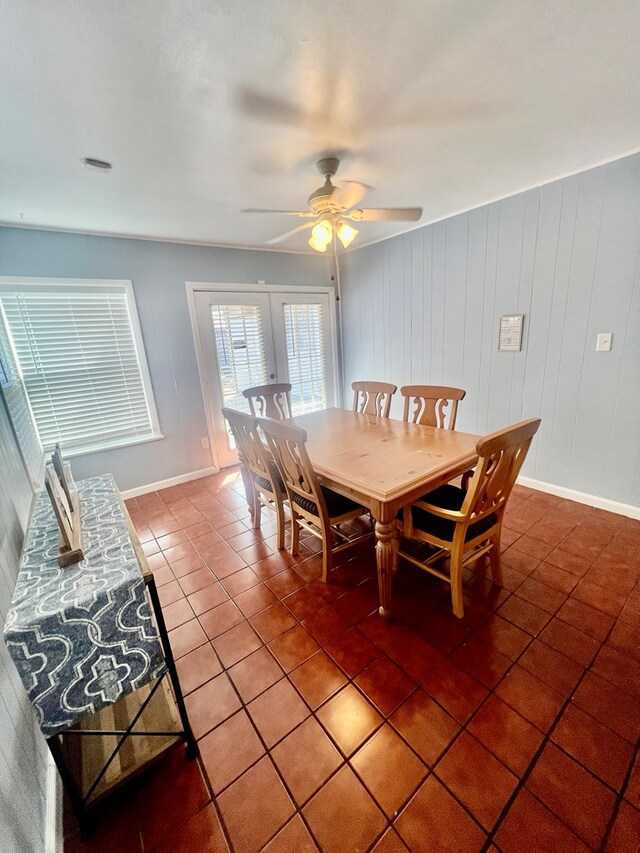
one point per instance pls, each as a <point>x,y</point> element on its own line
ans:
<point>603,343</point>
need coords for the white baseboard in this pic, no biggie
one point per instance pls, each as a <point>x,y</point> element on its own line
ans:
<point>171,481</point>
<point>53,830</point>
<point>581,497</point>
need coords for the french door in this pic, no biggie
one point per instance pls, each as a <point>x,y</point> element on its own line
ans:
<point>252,338</point>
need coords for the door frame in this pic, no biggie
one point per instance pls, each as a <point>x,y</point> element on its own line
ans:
<point>194,287</point>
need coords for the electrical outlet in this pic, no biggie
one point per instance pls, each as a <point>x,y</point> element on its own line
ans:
<point>603,342</point>
<point>204,442</point>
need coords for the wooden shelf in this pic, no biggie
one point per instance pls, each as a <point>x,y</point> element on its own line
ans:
<point>136,752</point>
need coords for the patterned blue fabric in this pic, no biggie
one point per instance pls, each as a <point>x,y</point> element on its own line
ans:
<point>82,636</point>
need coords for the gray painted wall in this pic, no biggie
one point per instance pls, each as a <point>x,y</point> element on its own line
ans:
<point>158,272</point>
<point>424,307</point>
<point>22,747</point>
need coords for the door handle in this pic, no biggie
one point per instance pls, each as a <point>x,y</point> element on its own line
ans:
<point>272,376</point>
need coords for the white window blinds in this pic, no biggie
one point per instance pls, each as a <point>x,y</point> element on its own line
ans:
<point>304,330</point>
<point>77,354</point>
<point>240,350</point>
<point>15,397</point>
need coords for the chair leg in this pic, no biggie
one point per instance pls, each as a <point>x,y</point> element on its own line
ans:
<point>494,558</point>
<point>280,517</point>
<point>295,533</point>
<point>257,510</point>
<point>327,556</point>
<point>457,601</point>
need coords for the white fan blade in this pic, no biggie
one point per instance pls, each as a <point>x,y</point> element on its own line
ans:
<point>304,213</point>
<point>349,193</point>
<point>291,233</point>
<point>385,214</point>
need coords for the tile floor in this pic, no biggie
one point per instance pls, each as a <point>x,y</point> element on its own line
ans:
<point>322,726</point>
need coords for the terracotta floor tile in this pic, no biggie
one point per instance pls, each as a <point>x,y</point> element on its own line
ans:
<point>229,750</point>
<point>625,637</point>
<point>342,815</point>
<point>236,644</point>
<point>198,529</point>
<point>530,697</point>
<point>207,598</point>
<point>158,808</point>
<point>240,581</point>
<point>349,719</point>
<point>533,546</point>
<point>612,706</point>
<point>416,657</point>
<point>202,832</point>
<point>484,663</point>
<point>277,711</point>
<point>294,838</point>
<point>186,638</point>
<point>253,675</point>
<point>382,632</point>
<point>385,685</point>
<point>293,647</point>
<point>570,641</point>
<point>225,564</point>
<point>606,600</point>
<point>457,692</point>
<point>625,832</point>
<point>303,602</point>
<point>179,552</point>
<point>425,726</point>
<point>434,822</point>
<point>524,615</point>
<point>221,618</point>
<point>272,565</point>
<point>255,599</point>
<point>632,792</point>
<point>582,802</point>
<point>555,669</point>
<point>389,769</point>
<point>600,750</point>
<point>255,807</point>
<point>273,621</point>
<point>326,625</point>
<point>587,619</point>
<point>360,602</point>
<point>353,652</point>
<point>506,734</point>
<point>477,779</point>
<point>163,575</point>
<point>177,613</point>
<point>169,592</point>
<point>519,560</point>
<point>187,565</point>
<point>531,826</point>
<point>317,679</point>
<point>555,577</point>
<point>284,583</point>
<point>572,563</point>
<point>194,581</point>
<point>306,758</point>
<point>390,843</point>
<point>210,704</point>
<point>507,638</point>
<point>197,667</point>
<point>545,597</point>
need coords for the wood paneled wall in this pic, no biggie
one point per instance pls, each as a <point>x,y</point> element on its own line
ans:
<point>22,746</point>
<point>424,308</point>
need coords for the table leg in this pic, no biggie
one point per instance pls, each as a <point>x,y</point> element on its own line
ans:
<point>387,560</point>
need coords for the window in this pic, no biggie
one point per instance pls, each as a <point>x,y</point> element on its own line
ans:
<point>305,355</point>
<point>240,350</point>
<point>78,350</point>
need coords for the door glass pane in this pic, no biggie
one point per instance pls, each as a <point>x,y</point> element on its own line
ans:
<point>304,330</point>
<point>240,349</point>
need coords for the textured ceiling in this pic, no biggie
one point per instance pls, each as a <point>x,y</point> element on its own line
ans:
<point>207,107</point>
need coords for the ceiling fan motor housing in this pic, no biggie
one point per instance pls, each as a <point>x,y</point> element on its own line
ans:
<point>320,200</point>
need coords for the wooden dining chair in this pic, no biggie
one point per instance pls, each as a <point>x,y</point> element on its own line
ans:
<point>467,524</point>
<point>272,401</point>
<point>313,507</point>
<point>373,398</point>
<point>429,404</point>
<point>262,482</point>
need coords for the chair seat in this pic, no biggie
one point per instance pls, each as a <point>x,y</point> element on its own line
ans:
<point>268,484</point>
<point>447,497</point>
<point>336,504</point>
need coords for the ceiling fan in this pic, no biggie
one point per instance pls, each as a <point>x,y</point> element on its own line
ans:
<point>332,208</point>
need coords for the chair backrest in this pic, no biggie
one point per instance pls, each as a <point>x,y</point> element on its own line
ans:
<point>428,404</point>
<point>251,450</point>
<point>287,444</point>
<point>272,401</point>
<point>373,398</point>
<point>500,458</point>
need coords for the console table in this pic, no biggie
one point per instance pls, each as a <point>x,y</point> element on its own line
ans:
<point>91,647</point>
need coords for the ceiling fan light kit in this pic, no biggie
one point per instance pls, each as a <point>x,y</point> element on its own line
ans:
<point>330,206</point>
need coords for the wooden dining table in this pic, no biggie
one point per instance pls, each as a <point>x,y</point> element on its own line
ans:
<point>384,465</point>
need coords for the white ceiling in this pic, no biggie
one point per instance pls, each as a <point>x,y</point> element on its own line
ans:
<point>446,104</point>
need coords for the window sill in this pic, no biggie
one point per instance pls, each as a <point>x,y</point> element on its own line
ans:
<point>72,452</point>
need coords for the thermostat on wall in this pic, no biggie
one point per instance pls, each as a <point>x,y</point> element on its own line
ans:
<point>510,335</point>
